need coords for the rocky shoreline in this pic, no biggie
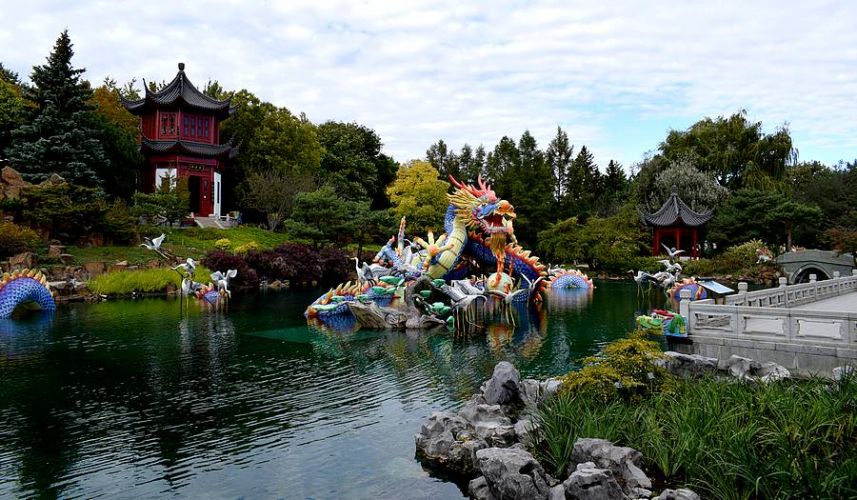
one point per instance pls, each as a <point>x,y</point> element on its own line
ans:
<point>487,440</point>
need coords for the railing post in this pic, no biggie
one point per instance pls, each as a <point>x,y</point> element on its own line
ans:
<point>783,283</point>
<point>684,305</point>
<point>838,283</point>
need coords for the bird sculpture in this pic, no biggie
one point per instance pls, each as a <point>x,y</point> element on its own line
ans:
<point>672,252</point>
<point>221,281</point>
<point>153,244</point>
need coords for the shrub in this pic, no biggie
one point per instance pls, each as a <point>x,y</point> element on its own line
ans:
<point>623,367</point>
<point>241,249</point>
<point>15,239</point>
<point>142,280</point>
<point>223,244</point>
<point>219,260</point>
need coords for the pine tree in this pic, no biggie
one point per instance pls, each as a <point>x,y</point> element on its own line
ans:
<point>558,156</point>
<point>582,183</point>
<point>60,139</point>
<point>443,160</point>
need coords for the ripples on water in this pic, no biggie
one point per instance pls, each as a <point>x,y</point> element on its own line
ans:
<point>130,399</point>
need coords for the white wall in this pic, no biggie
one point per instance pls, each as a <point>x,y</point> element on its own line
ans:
<point>216,202</point>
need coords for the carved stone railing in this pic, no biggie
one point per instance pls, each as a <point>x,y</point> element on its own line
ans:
<point>772,315</point>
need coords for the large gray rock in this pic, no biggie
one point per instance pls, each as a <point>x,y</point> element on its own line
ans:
<point>772,372</point>
<point>739,366</point>
<point>622,462</point>
<point>588,482</point>
<point>446,440</point>
<point>524,429</point>
<point>478,489</point>
<point>841,372</point>
<point>512,473</point>
<point>504,385</point>
<point>679,494</point>
<point>687,365</point>
<point>489,423</point>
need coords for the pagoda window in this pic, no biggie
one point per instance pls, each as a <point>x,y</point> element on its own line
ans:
<point>168,124</point>
<point>193,128</point>
<point>186,131</point>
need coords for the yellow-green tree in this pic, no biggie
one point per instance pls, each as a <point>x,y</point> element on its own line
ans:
<point>420,196</point>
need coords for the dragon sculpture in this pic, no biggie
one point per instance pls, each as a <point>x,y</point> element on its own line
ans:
<point>25,288</point>
<point>415,282</point>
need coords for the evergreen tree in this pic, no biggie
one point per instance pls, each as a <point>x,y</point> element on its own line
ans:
<point>499,161</point>
<point>582,183</point>
<point>60,139</point>
<point>558,156</point>
<point>528,185</point>
<point>467,164</point>
<point>479,158</point>
<point>15,110</point>
<point>615,189</point>
<point>443,160</point>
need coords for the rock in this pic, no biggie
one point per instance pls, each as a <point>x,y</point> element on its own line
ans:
<point>478,489</point>
<point>640,493</point>
<point>551,386</point>
<point>512,473</point>
<point>687,365</point>
<point>11,184</point>
<point>53,180</point>
<point>66,258</point>
<point>621,461</point>
<point>153,264</point>
<point>772,372</point>
<point>739,367</point>
<point>94,268</point>
<point>504,385</point>
<point>557,493</point>
<point>679,494</point>
<point>445,439</point>
<point>531,392</point>
<point>118,267</point>
<point>489,423</point>
<point>588,482</point>
<point>523,428</point>
<point>841,372</point>
<point>26,260</point>
<point>55,251</point>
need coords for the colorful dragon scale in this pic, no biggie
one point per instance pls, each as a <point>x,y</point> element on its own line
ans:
<point>28,286</point>
<point>571,278</point>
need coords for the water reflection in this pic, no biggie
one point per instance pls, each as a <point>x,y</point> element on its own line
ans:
<point>147,398</point>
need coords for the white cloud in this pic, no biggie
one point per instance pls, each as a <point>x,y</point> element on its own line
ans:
<point>420,71</point>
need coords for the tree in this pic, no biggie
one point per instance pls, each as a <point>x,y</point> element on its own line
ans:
<point>419,195</point>
<point>528,185</point>
<point>322,217</point>
<point>767,215</point>
<point>106,102</point>
<point>443,160</point>
<point>615,189</point>
<point>558,156</point>
<point>60,139</point>
<point>731,147</point>
<point>499,161</point>
<point>169,204</point>
<point>15,109</point>
<point>582,184</point>
<point>117,129</point>
<point>353,163</point>
<point>273,193</point>
<point>698,189</point>
<point>285,143</point>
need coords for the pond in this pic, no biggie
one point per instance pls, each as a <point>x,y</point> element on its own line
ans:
<point>133,399</point>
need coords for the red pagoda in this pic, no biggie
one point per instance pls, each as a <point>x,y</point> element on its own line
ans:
<point>676,225</point>
<point>180,138</point>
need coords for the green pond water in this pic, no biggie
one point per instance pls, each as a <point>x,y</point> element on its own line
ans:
<point>135,399</point>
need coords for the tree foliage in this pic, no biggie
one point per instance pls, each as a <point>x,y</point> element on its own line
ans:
<point>273,193</point>
<point>169,204</point>
<point>696,188</point>
<point>419,195</point>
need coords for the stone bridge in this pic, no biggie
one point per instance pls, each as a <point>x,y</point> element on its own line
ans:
<point>823,263</point>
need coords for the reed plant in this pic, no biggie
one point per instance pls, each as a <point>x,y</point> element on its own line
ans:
<point>724,439</point>
<point>141,281</point>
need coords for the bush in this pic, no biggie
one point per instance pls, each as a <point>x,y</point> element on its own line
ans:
<point>15,239</point>
<point>127,282</point>
<point>223,244</point>
<point>218,260</point>
<point>252,245</point>
<point>736,259</point>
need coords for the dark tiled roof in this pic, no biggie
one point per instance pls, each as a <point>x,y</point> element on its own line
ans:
<point>227,150</point>
<point>179,93</point>
<point>675,210</point>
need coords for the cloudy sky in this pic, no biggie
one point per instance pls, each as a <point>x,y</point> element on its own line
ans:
<point>617,76</point>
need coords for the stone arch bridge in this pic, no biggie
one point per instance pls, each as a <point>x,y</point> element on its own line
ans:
<point>797,266</point>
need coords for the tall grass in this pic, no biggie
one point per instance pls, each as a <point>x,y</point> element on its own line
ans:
<point>141,281</point>
<point>728,440</point>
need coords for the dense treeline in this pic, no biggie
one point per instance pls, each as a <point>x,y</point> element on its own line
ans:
<point>573,210</point>
<point>332,184</point>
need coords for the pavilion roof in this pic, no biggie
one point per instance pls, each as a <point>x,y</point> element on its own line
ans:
<point>226,150</point>
<point>673,211</point>
<point>180,92</point>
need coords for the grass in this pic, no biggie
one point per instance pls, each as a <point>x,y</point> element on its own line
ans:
<point>728,440</point>
<point>191,242</point>
<point>140,280</point>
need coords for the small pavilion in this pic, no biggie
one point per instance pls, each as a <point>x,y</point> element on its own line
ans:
<point>676,225</point>
<point>180,138</point>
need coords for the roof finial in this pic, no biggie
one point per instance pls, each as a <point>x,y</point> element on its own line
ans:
<point>181,66</point>
<point>675,190</point>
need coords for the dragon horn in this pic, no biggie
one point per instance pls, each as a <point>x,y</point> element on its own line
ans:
<point>481,183</point>
<point>455,183</point>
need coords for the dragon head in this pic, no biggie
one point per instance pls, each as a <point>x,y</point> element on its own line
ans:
<point>483,213</point>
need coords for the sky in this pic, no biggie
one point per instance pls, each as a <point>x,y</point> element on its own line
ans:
<point>616,76</point>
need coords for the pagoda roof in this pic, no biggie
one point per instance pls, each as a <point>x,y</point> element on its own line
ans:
<point>227,150</point>
<point>673,211</point>
<point>180,92</point>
